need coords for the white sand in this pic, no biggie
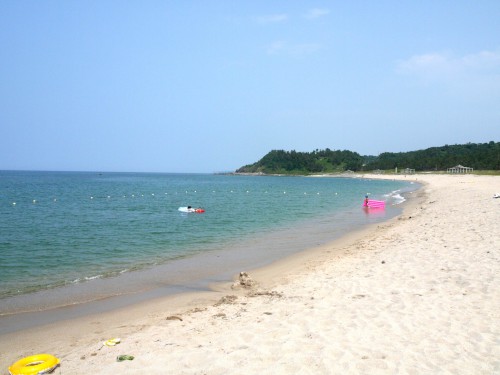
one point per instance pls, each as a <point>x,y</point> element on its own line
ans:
<point>417,295</point>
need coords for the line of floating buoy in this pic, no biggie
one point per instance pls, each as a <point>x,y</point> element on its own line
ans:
<point>36,201</point>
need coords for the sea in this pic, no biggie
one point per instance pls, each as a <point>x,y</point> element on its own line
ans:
<point>72,237</point>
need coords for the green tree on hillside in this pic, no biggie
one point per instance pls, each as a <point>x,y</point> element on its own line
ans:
<point>484,156</point>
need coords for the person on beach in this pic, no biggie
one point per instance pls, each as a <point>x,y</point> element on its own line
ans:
<point>366,201</point>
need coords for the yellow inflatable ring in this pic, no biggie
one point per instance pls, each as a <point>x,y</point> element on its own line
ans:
<point>35,364</point>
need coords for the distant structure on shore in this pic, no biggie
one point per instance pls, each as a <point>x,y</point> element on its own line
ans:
<point>460,169</point>
<point>405,171</point>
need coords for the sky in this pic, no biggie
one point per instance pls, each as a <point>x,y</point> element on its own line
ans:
<point>210,86</point>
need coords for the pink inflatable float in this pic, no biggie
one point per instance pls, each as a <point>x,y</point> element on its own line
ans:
<point>372,203</point>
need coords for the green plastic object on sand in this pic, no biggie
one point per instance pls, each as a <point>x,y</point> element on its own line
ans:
<point>124,357</point>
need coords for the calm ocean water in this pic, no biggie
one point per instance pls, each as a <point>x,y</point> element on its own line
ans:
<point>60,229</point>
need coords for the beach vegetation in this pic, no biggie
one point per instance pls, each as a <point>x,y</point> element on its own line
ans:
<point>299,163</point>
<point>480,156</point>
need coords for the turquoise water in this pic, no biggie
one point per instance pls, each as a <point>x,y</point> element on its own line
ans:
<point>69,228</point>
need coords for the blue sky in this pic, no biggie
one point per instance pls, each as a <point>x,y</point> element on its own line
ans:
<point>206,86</point>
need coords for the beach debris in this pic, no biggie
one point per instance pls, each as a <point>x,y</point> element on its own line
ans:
<point>226,300</point>
<point>244,281</point>
<point>124,357</point>
<point>112,342</point>
<point>174,317</point>
<point>198,309</point>
<point>496,195</point>
<point>358,296</point>
<point>271,293</point>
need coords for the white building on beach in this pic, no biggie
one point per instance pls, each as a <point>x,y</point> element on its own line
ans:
<point>408,171</point>
<point>460,169</point>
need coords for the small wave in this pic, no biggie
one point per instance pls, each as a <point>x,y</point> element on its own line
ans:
<point>102,276</point>
<point>395,197</point>
<point>88,278</point>
<point>392,193</point>
<point>398,199</point>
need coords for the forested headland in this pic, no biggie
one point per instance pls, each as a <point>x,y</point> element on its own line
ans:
<point>480,156</point>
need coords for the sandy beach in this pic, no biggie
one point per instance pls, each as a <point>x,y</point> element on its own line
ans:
<point>419,294</point>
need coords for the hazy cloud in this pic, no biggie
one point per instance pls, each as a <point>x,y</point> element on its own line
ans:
<point>316,13</point>
<point>446,64</point>
<point>472,75</point>
<point>282,47</point>
<point>272,18</point>
<point>276,47</point>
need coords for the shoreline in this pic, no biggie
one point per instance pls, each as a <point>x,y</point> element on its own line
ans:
<point>186,274</point>
<point>135,305</point>
<point>293,300</point>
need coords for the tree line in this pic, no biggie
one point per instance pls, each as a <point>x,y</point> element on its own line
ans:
<point>480,156</point>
